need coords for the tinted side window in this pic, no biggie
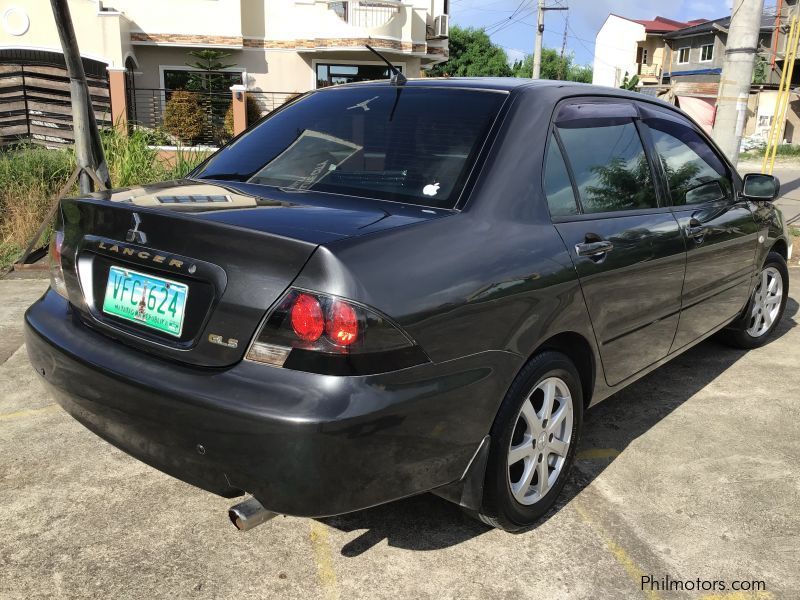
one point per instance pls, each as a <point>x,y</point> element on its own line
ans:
<point>694,172</point>
<point>609,164</point>
<point>557,186</point>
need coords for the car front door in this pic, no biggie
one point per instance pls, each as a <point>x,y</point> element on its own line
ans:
<point>719,228</point>
<point>626,246</point>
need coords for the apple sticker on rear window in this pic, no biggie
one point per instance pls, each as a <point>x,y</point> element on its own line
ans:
<point>431,189</point>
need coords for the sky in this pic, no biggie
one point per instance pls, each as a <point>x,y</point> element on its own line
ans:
<point>512,23</point>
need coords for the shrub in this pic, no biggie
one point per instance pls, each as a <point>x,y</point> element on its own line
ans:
<point>184,116</point>
<point>31,176</point>
<point>252,109</point>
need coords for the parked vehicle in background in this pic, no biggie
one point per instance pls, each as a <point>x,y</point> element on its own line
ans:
<point>383,290</point>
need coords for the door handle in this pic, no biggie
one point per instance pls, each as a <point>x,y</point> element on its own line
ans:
<point>594,249</point>
<point>695,230</point>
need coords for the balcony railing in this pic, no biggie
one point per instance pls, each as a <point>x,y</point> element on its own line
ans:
<point>367,14</point>
<point>649,71</point>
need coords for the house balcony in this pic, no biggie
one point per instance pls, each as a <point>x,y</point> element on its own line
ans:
<point>389,25</point>
<point>649,73</point>
<point>315,26</point>
<point>367,15</point>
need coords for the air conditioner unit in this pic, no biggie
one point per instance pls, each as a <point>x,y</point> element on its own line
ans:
<point>441,26</point>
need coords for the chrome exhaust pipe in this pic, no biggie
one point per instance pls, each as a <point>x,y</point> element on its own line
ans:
<point>249,514</point>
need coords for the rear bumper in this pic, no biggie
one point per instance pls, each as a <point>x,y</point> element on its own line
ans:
<point>303,444</point>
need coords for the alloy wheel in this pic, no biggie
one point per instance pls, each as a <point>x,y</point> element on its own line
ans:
<point>767,299</point>
<point>540,441</point>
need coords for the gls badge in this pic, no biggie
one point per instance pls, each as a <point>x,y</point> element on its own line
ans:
<point>134,235</point>
<point>220,341</point>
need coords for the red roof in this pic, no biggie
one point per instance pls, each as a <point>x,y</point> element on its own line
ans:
<point>663,25</point>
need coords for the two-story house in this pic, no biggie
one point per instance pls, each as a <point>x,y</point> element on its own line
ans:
<point>696,53</point>
<point>285,46</point>
<point>625,46</point>
<point>693,65</point>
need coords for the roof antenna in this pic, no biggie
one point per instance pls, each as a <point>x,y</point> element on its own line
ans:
<point>397,76</point>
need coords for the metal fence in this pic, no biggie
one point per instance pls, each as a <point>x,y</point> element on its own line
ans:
<point>192,118</point>
<point>180,117</point>
<point>263,103</point>
<point>365,13</point>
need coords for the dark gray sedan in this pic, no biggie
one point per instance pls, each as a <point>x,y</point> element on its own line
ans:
<point>385,289</point>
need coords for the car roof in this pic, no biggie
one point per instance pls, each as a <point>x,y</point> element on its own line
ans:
<point>478,83</point>
<point>507,84</point>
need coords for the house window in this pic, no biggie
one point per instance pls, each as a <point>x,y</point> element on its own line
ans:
<point>644,56</point>
<point>333,74</point>
<point>683,55</point>
<point>198,81</point>
<point>706,52</point>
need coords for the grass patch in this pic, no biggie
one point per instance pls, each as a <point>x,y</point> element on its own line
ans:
<point>29,179</point>
<point>31,176</point>
<point>783,150</point>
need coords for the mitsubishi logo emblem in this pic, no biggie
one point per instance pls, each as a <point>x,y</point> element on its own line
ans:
<point>134,235</point>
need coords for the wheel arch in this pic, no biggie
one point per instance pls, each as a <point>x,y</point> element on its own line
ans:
<point>468,491</point>
<point>578,349</point>
<point>781,247</point>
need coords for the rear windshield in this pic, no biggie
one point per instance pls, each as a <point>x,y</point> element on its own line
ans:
<point>406,144</point>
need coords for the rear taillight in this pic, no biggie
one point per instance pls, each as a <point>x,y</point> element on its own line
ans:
<point>54,259</point>
<point>306,317</point>
<point>319,333</point>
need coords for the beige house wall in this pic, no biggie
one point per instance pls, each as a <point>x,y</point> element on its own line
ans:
<point>652,44</point>
<point>29,24</point>
<point>200,17</point>
<point>262,70</point>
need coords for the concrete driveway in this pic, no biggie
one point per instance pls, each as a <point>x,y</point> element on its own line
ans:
<point>693,472</point>
<point>788,172</point>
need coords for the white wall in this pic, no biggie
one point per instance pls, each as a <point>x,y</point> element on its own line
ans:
<point>615,50</point>
<point>199,17</point>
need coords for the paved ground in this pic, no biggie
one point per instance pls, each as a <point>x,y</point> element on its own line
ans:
<point>694,472</point>
<point>788,172</point>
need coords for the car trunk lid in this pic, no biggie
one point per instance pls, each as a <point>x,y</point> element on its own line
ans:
<point>231,259</point>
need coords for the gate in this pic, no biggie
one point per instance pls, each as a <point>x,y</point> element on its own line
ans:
<point>35,103</point>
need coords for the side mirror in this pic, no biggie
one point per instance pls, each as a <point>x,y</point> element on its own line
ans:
<point>761,187</point>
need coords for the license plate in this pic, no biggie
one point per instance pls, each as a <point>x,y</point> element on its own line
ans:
<point>150,301</point>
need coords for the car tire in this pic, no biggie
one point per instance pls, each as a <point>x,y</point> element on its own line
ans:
<point>764,309</point>
<point>527,441</point>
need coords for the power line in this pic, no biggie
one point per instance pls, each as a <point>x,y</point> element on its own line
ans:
<point>503,23</point>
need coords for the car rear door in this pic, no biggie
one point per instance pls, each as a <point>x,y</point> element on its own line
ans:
<point>626,245</point>
<point>719,228</point>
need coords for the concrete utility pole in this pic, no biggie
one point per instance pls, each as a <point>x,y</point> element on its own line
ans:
<point>737,75</point>
<point>537,49</point>
<point>88,150</point>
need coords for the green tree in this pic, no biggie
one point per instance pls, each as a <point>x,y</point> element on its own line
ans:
<point>208,78</point>
<point>472,54</point>
<point>554,67</point>
<point>620,185</point>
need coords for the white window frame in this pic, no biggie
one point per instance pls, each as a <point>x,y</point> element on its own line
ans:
<point>688,55</point>
<point>702,48</point>
<point>644,56</point>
